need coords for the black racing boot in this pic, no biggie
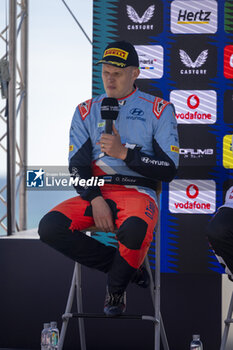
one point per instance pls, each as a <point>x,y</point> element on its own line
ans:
<point>115,303</point>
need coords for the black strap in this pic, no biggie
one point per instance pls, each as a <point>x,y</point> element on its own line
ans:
<point>126,180</point>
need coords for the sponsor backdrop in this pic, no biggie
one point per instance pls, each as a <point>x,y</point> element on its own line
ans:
<point>186,56</point>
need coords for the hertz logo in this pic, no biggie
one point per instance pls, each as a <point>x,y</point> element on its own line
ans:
<point>194,16</point>
<point>199,17</point>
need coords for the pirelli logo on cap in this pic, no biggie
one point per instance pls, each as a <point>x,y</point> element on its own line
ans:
<point>175,149</point>
<point>116,52</point>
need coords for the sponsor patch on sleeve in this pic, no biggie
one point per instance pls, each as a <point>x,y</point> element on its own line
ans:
<point>158,106</point>
<point>175,149</point>
<point>71,148</point>
<point>84,108</point>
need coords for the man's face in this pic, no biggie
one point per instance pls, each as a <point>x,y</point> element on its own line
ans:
<point>118,82</point>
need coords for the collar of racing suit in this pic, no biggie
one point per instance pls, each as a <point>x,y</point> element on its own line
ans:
<point>122,99</point>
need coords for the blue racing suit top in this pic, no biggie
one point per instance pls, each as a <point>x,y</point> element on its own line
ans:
<point>147,127</point>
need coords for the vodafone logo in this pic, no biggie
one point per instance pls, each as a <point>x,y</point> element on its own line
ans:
<point>231,61</point>
<point>196,197</point>
<point>228,61</point>
<point>192,191</point>
<point>194,106</point>
<point>193,101</point>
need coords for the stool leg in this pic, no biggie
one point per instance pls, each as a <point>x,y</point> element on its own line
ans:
<point>227,325</point>
<point>157,281</point>
<point>163,335</point>
<point>80,305</point>
<point>152,292</point>
<point>67,311</point>
<point>157,290</point>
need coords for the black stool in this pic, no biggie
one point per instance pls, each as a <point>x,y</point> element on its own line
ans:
<point>228,322</point>
<point>154,291</point>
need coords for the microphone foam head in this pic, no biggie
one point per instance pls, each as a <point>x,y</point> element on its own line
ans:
<point>109,108</point>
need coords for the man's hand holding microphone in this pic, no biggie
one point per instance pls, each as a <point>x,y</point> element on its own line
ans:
<point>110,144</point>
<point>110,141</point>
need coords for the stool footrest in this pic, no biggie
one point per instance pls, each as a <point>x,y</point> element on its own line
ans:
<point>229,320</point>
<point>122,317</point>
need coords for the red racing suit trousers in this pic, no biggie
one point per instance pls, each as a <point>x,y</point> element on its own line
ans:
<point>135,215</point>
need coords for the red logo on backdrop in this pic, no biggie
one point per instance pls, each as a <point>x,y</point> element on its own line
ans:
<point>193,101</point>
<point>192,191</point>
<point>228,62</point>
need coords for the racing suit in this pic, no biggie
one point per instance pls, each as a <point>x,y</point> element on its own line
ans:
<point>220,233</point>
<point>148,128</point>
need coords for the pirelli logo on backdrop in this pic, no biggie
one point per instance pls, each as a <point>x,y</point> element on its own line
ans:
<point>194,106</point>
<point>193,17</point>
<point>192,196</point>
<point>228,151</point>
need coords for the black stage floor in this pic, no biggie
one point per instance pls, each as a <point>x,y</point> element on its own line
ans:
<point>34,286</point>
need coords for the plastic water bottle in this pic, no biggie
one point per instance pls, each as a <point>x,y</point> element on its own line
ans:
<point>196,343</point>
<point>45,337</point>
<point>54,336</point>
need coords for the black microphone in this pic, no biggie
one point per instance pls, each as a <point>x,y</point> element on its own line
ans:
<point>109,111</point>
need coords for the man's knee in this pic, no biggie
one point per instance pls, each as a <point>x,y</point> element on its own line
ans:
<point>132,232</point>
<point>213,228</point>
<point>216,232</point>
<point>51,225</point>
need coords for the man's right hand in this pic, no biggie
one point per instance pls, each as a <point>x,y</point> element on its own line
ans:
<point>102,214</point>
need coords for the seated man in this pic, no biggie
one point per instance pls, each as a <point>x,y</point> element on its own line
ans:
<point>220,233</point>
<point>141,151</point>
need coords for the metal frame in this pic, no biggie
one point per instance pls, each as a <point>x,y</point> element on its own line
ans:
<point>76,285</point>
<point>228,322</point>
<point>17,104</point>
